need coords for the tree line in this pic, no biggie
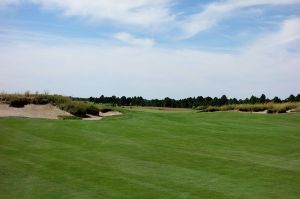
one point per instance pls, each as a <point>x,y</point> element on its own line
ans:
<point>188,102</point>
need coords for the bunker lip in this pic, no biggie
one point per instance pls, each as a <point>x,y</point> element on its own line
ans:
<point>110,113</point>
<point>47,111</point>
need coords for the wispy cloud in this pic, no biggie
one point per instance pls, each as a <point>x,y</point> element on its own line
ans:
<point>286,38</point>
<point>151,14</point>
<point>215,12</point>
<point>144,13</point>
<point>133,40</point>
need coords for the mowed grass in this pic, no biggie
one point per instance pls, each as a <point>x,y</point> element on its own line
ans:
<point>152,154</point>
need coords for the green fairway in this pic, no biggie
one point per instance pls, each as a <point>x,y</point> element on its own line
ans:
<point>148,153</point>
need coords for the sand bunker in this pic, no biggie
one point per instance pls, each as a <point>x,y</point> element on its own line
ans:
<point>110,113</point>
<point>47,111</point>
<point>92,117</point>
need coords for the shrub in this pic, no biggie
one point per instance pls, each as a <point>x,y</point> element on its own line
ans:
<point>105,110</point>
<point>227,108</point>
<point>243,107</point>
<point>201,108</point>
<point>79,109</point>
<point>40,101</point>
<point>212,109</point>
<point>252,107</point>
<point>93,110</point>
<point>19,103</point>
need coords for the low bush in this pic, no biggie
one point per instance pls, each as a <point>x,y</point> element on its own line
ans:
<point>41,101</point>
<point>79,109</point>
<point>93,110</point>
<point>201,108</point>
<point>212,109</point>
<point>105,110</point>
<point>227,108</point>
<point>19,103</point>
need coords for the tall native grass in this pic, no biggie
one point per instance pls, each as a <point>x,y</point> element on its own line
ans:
<point>268,107</point>
<point>77,108</point>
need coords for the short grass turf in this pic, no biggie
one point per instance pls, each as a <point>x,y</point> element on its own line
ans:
<point>152,154</point>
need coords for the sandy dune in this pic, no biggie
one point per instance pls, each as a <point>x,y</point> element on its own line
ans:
<point>33,111</point>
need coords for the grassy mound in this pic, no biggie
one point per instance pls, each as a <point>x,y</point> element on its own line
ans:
<point>75,107</point>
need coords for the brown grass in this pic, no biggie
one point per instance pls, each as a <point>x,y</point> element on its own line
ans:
<point>269,107</point>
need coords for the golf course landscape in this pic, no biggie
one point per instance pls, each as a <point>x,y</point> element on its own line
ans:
<point>150,153</point>
<point>149,99</point>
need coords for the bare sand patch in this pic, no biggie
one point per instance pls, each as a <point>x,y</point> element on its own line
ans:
<point>47,111</point>
<point>92,117</point>
<point>101,115</point>
<point>110,113</point>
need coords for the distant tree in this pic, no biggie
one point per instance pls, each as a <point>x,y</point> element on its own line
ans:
<point>167,102</point>
<point>186,102</point>
<point>298,98</point>
<point>199,100</point>
<point>234,101</point>
<point>123,101</point>
<point>253,99</point>
<point>216,102</point>
<point>92,99</point>
<point>262,98</point>
<point>102,99</point>
<point>207,101</point>
<point>223,100</point>
<point>276,99</point>
<point>113,100</point>
<point>291,98</point>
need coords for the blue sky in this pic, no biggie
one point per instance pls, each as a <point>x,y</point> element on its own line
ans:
<point>152,48</point>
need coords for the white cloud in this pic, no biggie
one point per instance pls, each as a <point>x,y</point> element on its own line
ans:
<point>144,13</point>
<point>132,40</point>
<point>88,69</point>
<point>151,14</point>
<point>215,12</point>
<point>288,36</point>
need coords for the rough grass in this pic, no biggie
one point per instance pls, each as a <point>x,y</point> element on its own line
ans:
<point>269,107</point>
<point>152,154</point>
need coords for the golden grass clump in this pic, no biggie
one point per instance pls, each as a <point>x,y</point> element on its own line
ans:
<point>269,107</point>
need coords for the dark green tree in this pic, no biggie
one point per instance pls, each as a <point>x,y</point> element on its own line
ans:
<point>291,98</point>
<point>276,99</point>
<point>262,98</point>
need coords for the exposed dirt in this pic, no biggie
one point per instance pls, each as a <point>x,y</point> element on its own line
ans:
<point>47,111</point>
